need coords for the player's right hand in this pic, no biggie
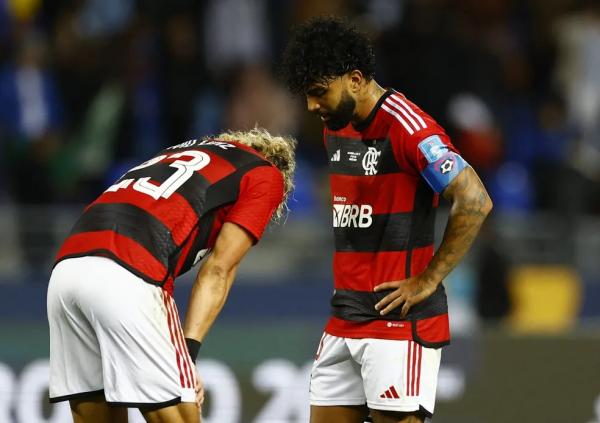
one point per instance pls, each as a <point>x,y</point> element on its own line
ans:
<point>406,293</point>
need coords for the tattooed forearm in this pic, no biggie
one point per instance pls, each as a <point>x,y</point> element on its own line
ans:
<point>470,206</point>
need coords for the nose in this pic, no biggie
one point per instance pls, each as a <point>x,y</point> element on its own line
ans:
<point>312,104</point>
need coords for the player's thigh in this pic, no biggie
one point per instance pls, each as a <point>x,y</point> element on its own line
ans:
<point>185,412</point>
<point>338,414</point>
<point>335,377</point>
<point>96,410</point>
<point>398,376</point>
<point>382,416</point>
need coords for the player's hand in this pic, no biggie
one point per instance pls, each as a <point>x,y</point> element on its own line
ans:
<point>407,293</point>
<point>199,392</point>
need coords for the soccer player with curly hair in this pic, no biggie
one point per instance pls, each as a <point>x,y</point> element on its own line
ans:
<point>389,163</point>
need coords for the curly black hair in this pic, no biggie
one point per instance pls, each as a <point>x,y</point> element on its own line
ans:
<point>324,48</point>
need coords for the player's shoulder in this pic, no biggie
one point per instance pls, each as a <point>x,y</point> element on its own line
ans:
<point>405,118</point>
<point>267,173</point>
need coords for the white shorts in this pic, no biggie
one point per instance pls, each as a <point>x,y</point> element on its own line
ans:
<point>385,374</point>
<point>113,333</point>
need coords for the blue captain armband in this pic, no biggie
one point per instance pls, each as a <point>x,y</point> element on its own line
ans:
<point>441,172</point>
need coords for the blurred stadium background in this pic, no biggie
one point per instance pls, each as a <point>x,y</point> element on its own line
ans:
<point>89,87</point>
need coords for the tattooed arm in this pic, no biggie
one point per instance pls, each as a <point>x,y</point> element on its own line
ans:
<point>470,206</point>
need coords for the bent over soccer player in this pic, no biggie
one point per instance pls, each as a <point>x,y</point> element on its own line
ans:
<point>115,336</point>
<point>389,161</point>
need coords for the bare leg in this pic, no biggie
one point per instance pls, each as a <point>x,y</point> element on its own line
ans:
<point>381,416</point>
<point>185,412</point>
<point>96,410</point>
<point>338,414</point>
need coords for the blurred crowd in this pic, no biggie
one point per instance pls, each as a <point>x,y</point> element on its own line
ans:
<point>88,88</point>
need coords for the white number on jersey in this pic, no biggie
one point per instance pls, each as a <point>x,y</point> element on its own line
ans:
<point>184,169</point>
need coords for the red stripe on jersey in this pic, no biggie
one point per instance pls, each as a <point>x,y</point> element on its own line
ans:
<point>176,214</point>
<point>218,169</point>
<point>367,190</point>
<point>182,346</point>
<point>364,271</point>
<point>419,260</point>
<point>170,323</point>
<point>434,329</point>
<point>130,252</point>
<point>394,392</point>
<point>379,329</point>
<point>409,368</point>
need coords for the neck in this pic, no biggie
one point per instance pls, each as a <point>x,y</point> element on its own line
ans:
<point>367,101</point>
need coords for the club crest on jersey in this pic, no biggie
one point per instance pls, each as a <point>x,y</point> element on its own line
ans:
<point>370,161</point>
<point>433,148</point>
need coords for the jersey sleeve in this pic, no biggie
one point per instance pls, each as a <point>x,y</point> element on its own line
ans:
<point>261,192</point>
<point>431,155</point>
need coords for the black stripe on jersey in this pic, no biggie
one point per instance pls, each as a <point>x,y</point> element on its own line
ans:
<point>194,191</point>
<point>387,232</point>
<point>359,306</point>
<point>227,189</point>
<point>132,222</point>
<point>423,222</point>
<point>347,156</point>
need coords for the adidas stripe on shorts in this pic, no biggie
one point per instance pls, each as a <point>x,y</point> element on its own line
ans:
<point>385,374</point>
<point>112,332</point>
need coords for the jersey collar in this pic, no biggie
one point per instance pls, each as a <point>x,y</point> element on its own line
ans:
<point>361,126</point>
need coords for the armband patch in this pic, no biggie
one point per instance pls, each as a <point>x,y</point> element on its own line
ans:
<point>433,148</point>
<point>440,173</point>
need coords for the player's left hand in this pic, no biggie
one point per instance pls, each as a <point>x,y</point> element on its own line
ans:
<point>407,292</point>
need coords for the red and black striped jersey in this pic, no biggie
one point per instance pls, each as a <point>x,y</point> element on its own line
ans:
<point>385,180</point>
<point>162,216</point>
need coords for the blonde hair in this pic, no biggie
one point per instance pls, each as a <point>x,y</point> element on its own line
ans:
<point>279,150</point>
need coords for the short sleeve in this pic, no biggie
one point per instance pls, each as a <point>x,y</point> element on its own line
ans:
<point>433,157</point>
<point>261,192</point>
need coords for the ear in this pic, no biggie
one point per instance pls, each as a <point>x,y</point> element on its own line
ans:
<point>355,80</point>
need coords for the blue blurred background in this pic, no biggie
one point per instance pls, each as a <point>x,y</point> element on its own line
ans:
<point>90,87</point>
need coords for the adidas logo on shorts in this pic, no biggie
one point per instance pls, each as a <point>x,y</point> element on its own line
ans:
<point>390,393</point>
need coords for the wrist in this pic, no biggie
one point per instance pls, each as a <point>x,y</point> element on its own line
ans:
<point>193,347</point>
<point>429,278</point>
